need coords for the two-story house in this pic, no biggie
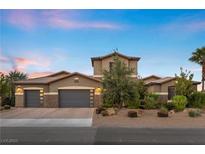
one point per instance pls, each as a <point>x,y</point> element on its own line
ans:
<point>65,89</point>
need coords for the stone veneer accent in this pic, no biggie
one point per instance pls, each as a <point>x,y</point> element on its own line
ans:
<point>19,100</point>
<point>51,100</point>
<point>98,100</point>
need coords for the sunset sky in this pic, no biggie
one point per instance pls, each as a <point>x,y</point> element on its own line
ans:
<point>39,42</point>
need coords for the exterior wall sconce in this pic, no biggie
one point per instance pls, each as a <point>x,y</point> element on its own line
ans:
<point>98,91</point>
<point>19,90</point>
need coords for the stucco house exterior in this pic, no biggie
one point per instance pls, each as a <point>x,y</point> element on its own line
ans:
<point>65,89</point>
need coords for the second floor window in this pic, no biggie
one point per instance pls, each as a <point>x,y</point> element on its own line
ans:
<point>111,65</point>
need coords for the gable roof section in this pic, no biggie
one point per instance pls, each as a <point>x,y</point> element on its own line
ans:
<point>165,80</point>
<point>77,73</point>
<point>58,73</point>
<point>45,79</point>
<point>50,79</point>
<point>114,54</point>
<point>151,76</point>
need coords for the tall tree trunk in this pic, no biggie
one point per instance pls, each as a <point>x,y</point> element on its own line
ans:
<point>203,76</point>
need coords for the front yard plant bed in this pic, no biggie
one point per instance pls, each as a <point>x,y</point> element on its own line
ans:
<point>149,119</point>
<point>163,112</point>
<point>109,112</point>
<point>195,113</point>
<point>99,110</point>
<point>7,107</point>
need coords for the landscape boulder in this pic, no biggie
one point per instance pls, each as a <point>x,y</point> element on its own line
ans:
<point>99,110</point>
<point>132,114</point>
<point>108,112</point>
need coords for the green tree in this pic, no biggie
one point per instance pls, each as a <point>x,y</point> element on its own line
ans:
<point>4,87</point>
<point>120,88</point>
<point>11,77</point>
<point>199,57</point>
<point>184,84</point>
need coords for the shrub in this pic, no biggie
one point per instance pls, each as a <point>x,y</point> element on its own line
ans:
<point>163,112</point>
<point>169,105</point>
<point>132,114</point>
<point>151,101</point>
<point>179,102</point>
<point>133,105</point>
<point>7,107</point>
<point>195,113</point>
<point>197,100</point>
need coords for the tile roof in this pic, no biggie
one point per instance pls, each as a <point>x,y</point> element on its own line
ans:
<point>53,78</point>
<point>114,54</point>
<point>166,79</point>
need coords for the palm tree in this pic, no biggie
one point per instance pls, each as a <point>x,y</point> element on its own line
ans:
<point>199,57</point>
<point>14,76</point>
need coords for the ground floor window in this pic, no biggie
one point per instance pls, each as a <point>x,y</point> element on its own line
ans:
<point>171,92</point>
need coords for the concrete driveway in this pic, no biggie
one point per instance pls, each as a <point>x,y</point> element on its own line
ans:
<point>46,117</point>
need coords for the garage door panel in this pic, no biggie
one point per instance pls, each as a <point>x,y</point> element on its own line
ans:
<point>32,98</point>
<point>74,98</point>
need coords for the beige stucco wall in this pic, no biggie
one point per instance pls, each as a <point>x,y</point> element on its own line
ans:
<point>45,87</point>
<point>97,67</point>
<point>53,87</point>
<point>154,88</point>
<point>106,62</point>
<point>101,65</point>
<point>133,65</point>
<point>150,79</point>
<point>164,86</point>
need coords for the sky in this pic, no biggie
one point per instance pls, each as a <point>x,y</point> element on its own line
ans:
<point>40,42</point>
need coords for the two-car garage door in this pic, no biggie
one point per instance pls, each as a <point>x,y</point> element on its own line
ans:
<point>74,98</point>
<point>67,98</point>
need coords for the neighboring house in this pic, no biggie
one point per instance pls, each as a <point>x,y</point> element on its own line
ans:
<point>65,89</point>
<point>164,87</point>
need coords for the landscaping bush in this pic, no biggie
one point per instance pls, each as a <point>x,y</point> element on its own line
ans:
<point>132,114</point>
<point>179,102</point>
<point>195,113</point>
<point>133,105</point>
<point>197,100</point>
<point>169,105</point>
<point>7,107</point>
<point>163,112</point>
<point>151,101</point>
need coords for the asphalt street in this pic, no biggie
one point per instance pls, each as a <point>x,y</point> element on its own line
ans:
<point>99,136</point>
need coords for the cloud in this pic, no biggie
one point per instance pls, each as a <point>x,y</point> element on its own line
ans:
<point>21,64</point>
<point>38,74</point>
<point>186,23</point>
<point>69,24</point>
<point>24,19</point>
<point>28,19</point>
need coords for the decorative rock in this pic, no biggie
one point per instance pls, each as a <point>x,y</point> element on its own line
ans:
<point>162,114</point>
<point>104,113</point>
<point>99,110</point>
<point>132,114</point>
<point>7,107</point>
<point>171,112</point>
<point>111,111</point>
